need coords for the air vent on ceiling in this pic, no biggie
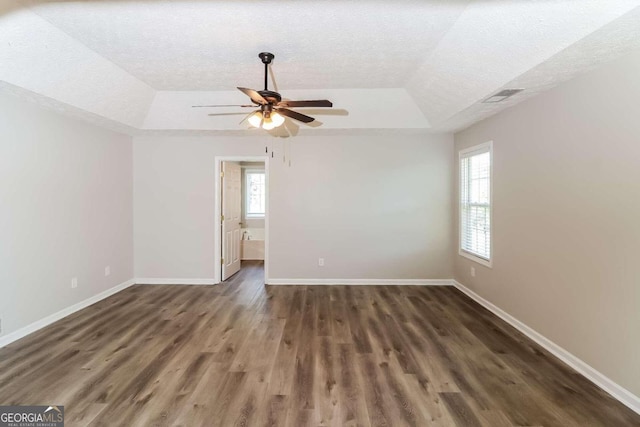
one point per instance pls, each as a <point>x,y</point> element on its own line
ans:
<point>502,95</point>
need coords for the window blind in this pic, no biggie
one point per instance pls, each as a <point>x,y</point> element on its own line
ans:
<point>475,202</point>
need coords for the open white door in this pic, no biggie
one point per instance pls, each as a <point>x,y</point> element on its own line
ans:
<point>231,213</point>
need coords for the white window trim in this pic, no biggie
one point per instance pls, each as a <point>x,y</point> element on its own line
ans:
<point>246,196</point>
<point>473,257</point>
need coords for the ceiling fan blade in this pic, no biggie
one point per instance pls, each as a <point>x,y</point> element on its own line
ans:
<point>247,116</point>
<point>315,103</point>
<point>292,127</point>
<point>223,105</point>
<point>295,115</point>
<point>225,114</point>
<point>325,112</point>
<point>254,95</point>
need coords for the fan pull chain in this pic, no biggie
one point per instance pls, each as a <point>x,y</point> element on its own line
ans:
<point>287,149</point>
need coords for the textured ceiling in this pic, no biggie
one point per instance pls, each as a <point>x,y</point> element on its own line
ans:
<point>618,38</point>
<point>213,45</point>
<point>134,62</point>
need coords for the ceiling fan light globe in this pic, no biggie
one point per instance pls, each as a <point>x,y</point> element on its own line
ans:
<point>268,124</point>
<point>255,119</point>
<point>277,119</point>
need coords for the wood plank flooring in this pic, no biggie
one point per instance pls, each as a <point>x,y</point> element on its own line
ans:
<point>245,354</point>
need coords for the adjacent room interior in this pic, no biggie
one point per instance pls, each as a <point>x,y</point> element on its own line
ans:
<point>338,213</point>
<point>242,206</point>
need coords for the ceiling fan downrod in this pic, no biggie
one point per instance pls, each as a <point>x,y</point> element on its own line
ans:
<point>266,58</point>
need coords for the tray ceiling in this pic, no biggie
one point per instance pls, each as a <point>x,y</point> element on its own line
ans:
<point>126,61</point>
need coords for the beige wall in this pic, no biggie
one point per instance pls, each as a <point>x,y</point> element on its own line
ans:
<point>373,207</point>
<point>566,217</point>
<point>66,211</point>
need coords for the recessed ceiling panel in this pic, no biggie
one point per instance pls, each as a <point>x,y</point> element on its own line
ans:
<point>122,59</point>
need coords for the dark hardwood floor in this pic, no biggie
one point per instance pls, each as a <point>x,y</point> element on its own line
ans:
<point>245,354</point>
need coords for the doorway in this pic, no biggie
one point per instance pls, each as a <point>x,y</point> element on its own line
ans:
<point>242,215</point>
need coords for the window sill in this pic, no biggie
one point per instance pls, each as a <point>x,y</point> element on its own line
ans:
<point>472,257</point>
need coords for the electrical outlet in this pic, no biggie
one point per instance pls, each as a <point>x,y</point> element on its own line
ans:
<point>320,262</point>
<point>74,283</point>
<point>107,271</point>
<point>473,272</point>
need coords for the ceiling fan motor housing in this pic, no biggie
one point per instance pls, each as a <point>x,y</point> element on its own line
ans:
<point>271,96</point>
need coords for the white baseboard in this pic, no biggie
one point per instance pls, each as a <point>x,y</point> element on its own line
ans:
<point>387,282</point>
<point>39,324</point>
<point>617,391</point>
<point>169,281</point>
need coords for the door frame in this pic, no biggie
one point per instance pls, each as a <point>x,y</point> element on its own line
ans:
<point>217,238</point>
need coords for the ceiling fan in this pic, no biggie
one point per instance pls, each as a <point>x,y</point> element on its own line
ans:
<point>272,107</point>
